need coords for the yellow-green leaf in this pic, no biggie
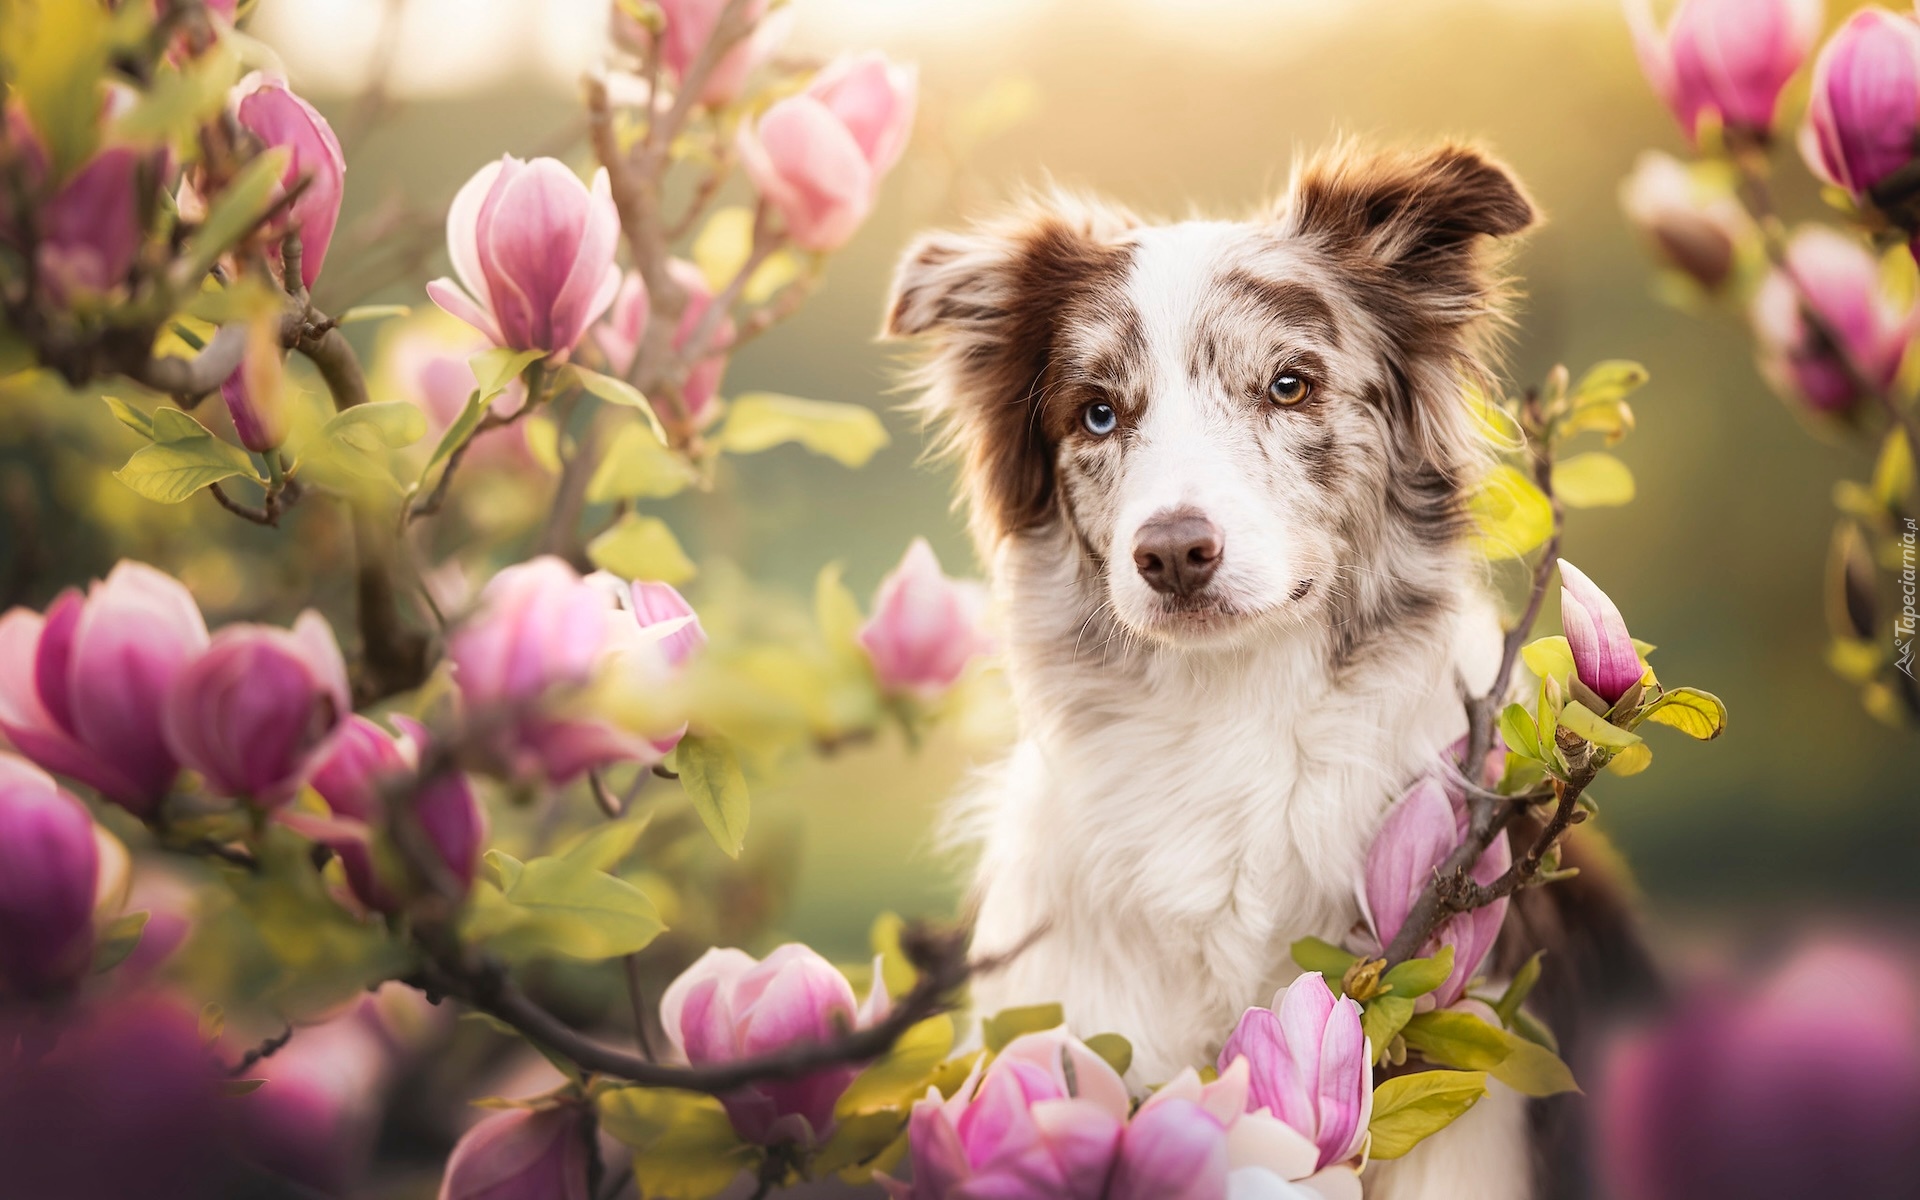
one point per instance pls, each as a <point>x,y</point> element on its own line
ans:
<point>835,610</point>
<point>1608,381</point>
<point>1314,954</point>
<point>117,940</point>
<point>1512,517</point>
<point>1418,976</point>
<point>1583,722</point>
<point>1631,760</point>
<point>183,458</point>
<point>373,312</point>
<point>1448,1038</point>
<point>684,1144</point>
<point>723,244</point>
<point>998,1030</point>
<point>236,210</point>
<point>847,433</point>
<point>1697,714</point>
<point>1548,657</point>
<point>710,772</point>
<point>1532,1069</point>
<point>1116,1050</point>
<point>901,1076</point>
<point>1382,1019</point>
<point>1520,732</point>
<point>619,391</point>
<point>1593,480</point>
<point>55,53</point>
<point>555,905</point>
<point>494,369</point>
<point>130,416</point>
<point>1408,1109</point>
<point>641,547</point>
<point>639,466</point>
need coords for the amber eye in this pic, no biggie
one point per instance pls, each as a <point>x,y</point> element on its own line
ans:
<point>1288,389</point>
<point>1100,419</point>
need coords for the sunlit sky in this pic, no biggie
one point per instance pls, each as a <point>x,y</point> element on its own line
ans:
<point>441,47</point>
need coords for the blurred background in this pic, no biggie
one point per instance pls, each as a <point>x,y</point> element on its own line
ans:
<point>1171,107</point>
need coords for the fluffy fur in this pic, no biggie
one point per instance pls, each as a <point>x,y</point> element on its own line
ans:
<point>1199,776</point>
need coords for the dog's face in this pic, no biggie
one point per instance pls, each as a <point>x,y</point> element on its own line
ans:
<point>1225,416</point>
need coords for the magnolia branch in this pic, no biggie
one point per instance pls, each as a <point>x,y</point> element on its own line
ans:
<point>1452,889</point>
<point>938,955</point>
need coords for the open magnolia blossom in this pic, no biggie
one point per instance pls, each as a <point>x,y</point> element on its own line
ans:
<point>727,1006</point>
<point>1865,332</point>
<point>1048,1117</point>
<point>533,249</point>
<point>540,640</point>
<point>1309,1065</point>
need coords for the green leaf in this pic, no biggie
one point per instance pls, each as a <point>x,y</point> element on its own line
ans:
<point>1512,517</point>
<point>1698,714</point>
<point>117,940</point>
<point>1631,760</point>
<point>131,417</point>
<point>710,773</point>
<point>1583,722</point>
<point>372,312</point>
<point>639,466</point>
<point>641,547</point>
<point>847,433</point>
<point>1313,954</point>
<point>494,369</point>
<point>55,53</point>
<point>1548,657</point>
<point>235,212</point>
<point>1532,1069</point>
<point>1519,988</point>
<point>1408,1109</point>
<point>1116,1050</point>
<point>1382,1018</point>
<point>684,1144</point>
<point>604,847</point>
<point>1418,976</point>
<point>998,1030</point>
<point>857,1140</point>
<point>619,391</point>
<point>1449,1038</point>
<point>183,458</point>
<point>836,611</point>
<point>1520,732</point>
<point>1605,382</point>
<point>901,1076</point>
<point>1594,480</point>
<point>557,905</point>
<point>457,433</point>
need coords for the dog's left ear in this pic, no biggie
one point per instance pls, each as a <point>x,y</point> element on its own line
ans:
<point>1417,223</point>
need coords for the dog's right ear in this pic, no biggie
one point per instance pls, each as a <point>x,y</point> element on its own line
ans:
<point>988,303</point>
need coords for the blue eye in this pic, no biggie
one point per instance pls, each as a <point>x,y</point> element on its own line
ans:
<point>1100,419</point>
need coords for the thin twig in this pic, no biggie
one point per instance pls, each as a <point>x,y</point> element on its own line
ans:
<point>266,1049</point>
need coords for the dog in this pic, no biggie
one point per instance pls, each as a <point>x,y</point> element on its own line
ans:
<point>1217,471</point>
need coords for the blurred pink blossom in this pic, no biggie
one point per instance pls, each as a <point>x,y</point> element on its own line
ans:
<point>49,865</point>
<point>925,627</point>
<point>1728,59</point>
<point>1864,112</point>
<point>1839,280</point>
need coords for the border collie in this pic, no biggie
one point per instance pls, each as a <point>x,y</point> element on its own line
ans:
<point>1216,470</point>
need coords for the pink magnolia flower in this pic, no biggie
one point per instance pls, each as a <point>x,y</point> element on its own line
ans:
<point>1309,1065</point>
<point>257,711</point>
<point>1420,831</point>
<point>727,1007</point>
<point>1725,58</point>
<point>540,639</point>
<point>315,1119</point>
<point>1023,1130</point>
<point>255,400</point>
<point>1603,651</point>
<point>925,627</point>
<point>533,248</point>
<point>1694,229</point>
<point>1839,280</point>
<point>521,1154</point>
<point>90,232</point>
<point>1194,1141</point>
<point>126,1102</point>
<point>818,157</point>
<point>665,625</point>
<point>1864,113</point>
<point>1806,1082</point>
<point>49,865</point>
<point>279,118</point>
<point>83,689</point>
<point>619,335</point>
<point>354,776</point>
<point>689,27</point>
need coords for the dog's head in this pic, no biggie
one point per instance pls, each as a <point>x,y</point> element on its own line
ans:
<point>1227,418</point>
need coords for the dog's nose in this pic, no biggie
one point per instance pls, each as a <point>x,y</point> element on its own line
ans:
<point>1177,552</point>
